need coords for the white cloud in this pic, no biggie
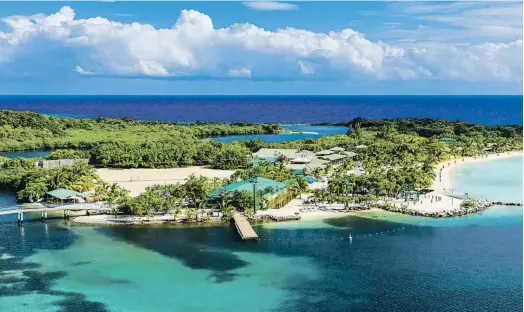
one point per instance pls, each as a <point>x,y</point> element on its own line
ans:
<point>459,21</point>
<point>82,71</point>
<point>483,62</point>
<point>306,68</point>
<point>270,5</point>
<point>239,73</point>
<point>194,48</point>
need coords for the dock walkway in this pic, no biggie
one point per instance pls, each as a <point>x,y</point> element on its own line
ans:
<point>77,207</point>
<point>44,210</point>
<point>244,228</point>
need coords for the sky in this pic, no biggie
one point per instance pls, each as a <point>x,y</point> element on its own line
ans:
<point>253,47</point>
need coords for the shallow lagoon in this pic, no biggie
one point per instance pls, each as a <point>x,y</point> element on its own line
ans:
<point>396,263</point>
<point>292,132</point>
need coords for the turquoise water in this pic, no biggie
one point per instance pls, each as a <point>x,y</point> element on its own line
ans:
<point>26,154</point>
<point>496,180</point>
<point>393,263</point>
<point>308,132</point>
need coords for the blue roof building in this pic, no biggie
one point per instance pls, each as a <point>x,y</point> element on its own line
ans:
<point>247,185</point>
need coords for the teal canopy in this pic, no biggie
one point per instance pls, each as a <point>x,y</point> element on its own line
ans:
<point>247,185</point>
<point>269,160</point>
<point>448,140</point>
<point>298,171</point>
<point>65,194</point>
<point>310,179</point>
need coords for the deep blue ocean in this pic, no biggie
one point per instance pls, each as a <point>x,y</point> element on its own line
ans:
<point>490,110</point>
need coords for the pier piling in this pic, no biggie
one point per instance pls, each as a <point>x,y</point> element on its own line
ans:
<point>20,218</point>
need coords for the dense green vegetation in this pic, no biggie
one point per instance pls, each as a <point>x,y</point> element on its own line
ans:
<point>401,154</point>
<point>31,183</point>
<point>472,139</point>
<point>396,155</point>
<point>69,154</point>
<point>127,142</point>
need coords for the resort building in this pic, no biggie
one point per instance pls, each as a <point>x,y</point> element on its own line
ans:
<point>317,163</point>
<point>65,196</point>
<point>350,154</point>
<point>337,149</point>
<point>335,159</point>
<point>290,154</point>
<point>301,159</point>
<point>298,159</point>
<point>273,190</point>
<point>55,163</point>
<point>249,185</point>
<point>324,153</point>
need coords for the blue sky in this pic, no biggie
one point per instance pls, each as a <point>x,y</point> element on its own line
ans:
<point>261,48</point>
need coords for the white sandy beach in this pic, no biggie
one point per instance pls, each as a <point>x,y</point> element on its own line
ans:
<point>449,166</point>
<point>443,183</point>
<point>309,212</point>
<point>137,180</point>
<point>123,219</point>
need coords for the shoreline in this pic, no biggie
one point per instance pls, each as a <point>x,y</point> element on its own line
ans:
<point>450,166</point>
<point>428,206</point>
<point>439,202</point>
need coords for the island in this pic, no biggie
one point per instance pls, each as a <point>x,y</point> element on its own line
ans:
<point>143,172</point>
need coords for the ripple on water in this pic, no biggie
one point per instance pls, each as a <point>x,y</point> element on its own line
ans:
<point>149,279</point>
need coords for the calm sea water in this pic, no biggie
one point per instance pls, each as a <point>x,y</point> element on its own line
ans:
<point>307,132</point>
<point>396,263</point>
<point>276,109</point>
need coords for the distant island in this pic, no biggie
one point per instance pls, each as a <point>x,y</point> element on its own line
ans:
<point>167,172</point>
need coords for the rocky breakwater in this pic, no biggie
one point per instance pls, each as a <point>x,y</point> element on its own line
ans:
<point>470,206</point>
<point>499,203</point>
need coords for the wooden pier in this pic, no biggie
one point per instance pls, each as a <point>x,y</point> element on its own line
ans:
<point>244,228</point>
<point>44,210</point>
